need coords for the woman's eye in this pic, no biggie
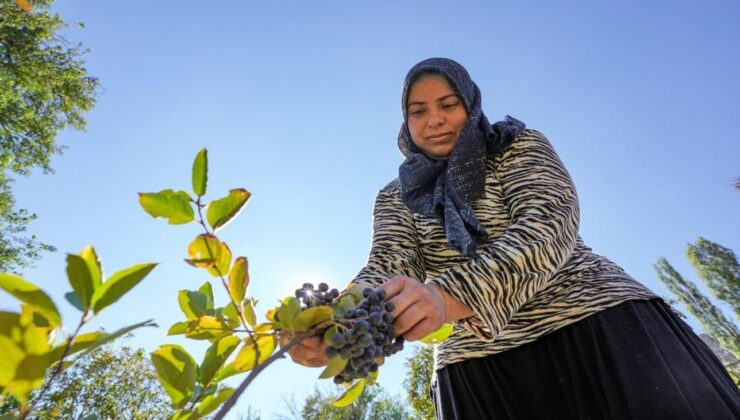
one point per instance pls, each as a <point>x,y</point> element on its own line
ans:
<point>416,112</point>
<point>450,106</point>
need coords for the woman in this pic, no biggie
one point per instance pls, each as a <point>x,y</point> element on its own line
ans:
<point>481,229</point>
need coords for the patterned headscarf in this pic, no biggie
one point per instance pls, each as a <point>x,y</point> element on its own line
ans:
<point>445,189</point>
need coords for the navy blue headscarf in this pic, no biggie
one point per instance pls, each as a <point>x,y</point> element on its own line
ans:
<point>445,189</point>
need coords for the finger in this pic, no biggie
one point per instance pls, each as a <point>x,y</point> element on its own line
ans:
<point>410,294</point>
<point>420,330</point>
<point>393,286</point>
<point>406,320</point>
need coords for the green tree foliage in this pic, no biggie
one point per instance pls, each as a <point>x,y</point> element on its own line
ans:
<point>44,87</point>
<point>719,269</point>
<point>110,384</point>
<point>420,367</point>
<point>373,404</point>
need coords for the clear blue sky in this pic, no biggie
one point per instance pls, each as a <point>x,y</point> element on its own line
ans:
<point>298,102</point>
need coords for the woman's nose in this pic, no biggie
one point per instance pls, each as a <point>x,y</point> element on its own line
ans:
<point>435,119</point>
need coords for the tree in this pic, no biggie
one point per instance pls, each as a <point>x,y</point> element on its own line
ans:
<point>373,404</point>
<point>109,383</point>
<point>44,87</point>
<point>718,267</point>
<point>420,367</point>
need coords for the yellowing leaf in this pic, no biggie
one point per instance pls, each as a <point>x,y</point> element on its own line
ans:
<point>222,211</point>
<point>239,279</point>
<point>438,336</point>
<point>25,5</point>
<point>207,327</point>
<point>221,267</point>
<point>287,312</point>
<point>30,294</point>
<point>93,264</point>
<point>249,314</point>
<point>200,172</point>
<point>172,205</point>
<point>350,394</point>
<point>207,251</point>
<point>312,317</point>
<point>247,356</point>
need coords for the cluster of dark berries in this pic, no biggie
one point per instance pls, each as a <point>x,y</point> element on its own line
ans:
<point>366,336</point>
<point>311,297</point>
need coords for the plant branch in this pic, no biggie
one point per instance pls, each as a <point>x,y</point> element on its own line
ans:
<point>58,368</point>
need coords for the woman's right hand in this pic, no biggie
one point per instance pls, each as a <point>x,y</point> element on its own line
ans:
<point>309,352</point>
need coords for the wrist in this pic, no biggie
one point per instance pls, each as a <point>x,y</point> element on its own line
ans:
<point>452,309</point>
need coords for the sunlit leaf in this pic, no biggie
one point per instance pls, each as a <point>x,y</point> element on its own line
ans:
<point>350,394</point>
<point>345,303</point>
<point>207,290</point>
<point>264,328</point>
<point>31,294</point>
<point>226,372</point>
<point>93,265</point>
<point>178,328</point>
<point>36,340</point>
<point>216,356</point>
<point>80,278</point>
<point>245,359</point>
<point>438,336</point>
<point>335,366</point>
<point>287,312</point>
<point>12,356</point>
<point>212,402</point>
<point>177,372</point>
<point>329,333</point>
<point>222,211</point>
<point>221,267</point>
<point>249,313</point>
<point>193,304</point>
<point>231,315</point>
<point>312,317</point>
<point>207,327</point>
<point>372,377</point>
<point>238,279</point>
<point>184,415</point>
<point>171,205</point>
<point>357,288</point>
<point>118,285</point>
<point>200,172</point>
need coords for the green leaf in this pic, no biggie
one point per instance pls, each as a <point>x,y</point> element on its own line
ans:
<point>178,328</point>
<point>215,357</point>
<point>357,288</point>
<point>438,336</point>
<point>30,294</point>
<point>372,377</point>
<point>93,265</point>
<point>172,205</point>
<point>312,317</point>
<point>212,402</point>
<point>247,356</point>
<point>207,327</point>
<point>74,300</point>
<point>222,211</point>
<point>80,279</point>
<point>193,304</point>
<point>238,279</point>
<point>207,251</point>
<point>10,324</point>
<point>350,394</point>
<point>226,372</point>
<point>118,285</point>
<point>287,312</point>
<point>221,267</point>
<point>177,372</point>
<point>207,289</point>
<point>116,334</point>
<point>36,340</point>
<point>200,172</point>
<point>85,341</point>
<point>335,366</point>
<point>183,415</point>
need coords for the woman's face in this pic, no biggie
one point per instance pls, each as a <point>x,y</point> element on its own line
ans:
<point>435,116</point>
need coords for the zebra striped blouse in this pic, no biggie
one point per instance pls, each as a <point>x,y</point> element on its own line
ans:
<point>534,274</point>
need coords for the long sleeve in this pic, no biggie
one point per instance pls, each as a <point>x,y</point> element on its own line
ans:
<point>395,249</point>
<point>513,267</point>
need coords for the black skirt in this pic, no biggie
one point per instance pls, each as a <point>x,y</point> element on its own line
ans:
<point>636,360</point>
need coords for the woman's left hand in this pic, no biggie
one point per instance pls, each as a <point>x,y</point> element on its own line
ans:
<point>420,308</point>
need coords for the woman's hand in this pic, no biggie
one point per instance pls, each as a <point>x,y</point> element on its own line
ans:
<point>309,352</point>
<point>421,308</point>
